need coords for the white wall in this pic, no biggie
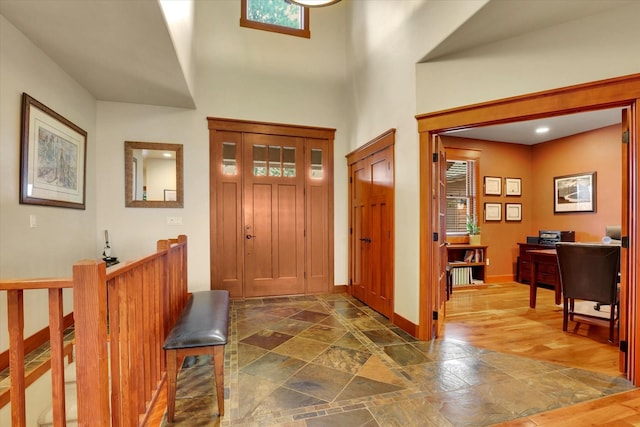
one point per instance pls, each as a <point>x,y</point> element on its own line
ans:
<point>585,50</point>
<point>62,236</point>
<point>386,40</point>
<point>243,74</point>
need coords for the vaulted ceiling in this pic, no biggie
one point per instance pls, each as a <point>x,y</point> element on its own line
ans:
<point>122,51</point>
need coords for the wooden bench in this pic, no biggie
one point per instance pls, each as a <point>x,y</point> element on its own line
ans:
<point>201,329</point>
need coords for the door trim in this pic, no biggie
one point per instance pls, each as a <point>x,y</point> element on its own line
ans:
<point>622,92</point>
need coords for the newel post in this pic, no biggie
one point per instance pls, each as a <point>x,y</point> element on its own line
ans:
<point>90,315</point>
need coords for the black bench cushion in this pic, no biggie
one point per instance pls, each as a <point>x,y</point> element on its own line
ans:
<point>202,323</point>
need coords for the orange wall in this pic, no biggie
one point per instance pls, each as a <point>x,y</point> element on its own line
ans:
<point>599,151</point>
<point>536,165</point>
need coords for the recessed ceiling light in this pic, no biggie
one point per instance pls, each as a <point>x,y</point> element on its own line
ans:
<point>542,129</point>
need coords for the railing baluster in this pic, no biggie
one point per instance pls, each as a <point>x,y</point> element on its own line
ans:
<point>15,312</point>
<point>56,338</point>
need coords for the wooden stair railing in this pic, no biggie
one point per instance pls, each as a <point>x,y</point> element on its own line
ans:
<point>132,306</point>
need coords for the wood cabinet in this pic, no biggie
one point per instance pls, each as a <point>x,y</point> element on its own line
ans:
<point>546,272</point>
<point>472,256</point>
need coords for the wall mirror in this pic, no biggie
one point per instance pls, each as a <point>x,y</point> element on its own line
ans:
<point>153,175</point>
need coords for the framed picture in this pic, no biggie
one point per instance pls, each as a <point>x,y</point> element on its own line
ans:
<point>53,153</point>
<point>513,211</point>
<point>512,187</point>
<point>493,211</point>
<point>492,186</point>
<point>170,195</point>
<point>574,193</point>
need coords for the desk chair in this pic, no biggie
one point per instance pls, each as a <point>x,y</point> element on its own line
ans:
<point>589,272</point>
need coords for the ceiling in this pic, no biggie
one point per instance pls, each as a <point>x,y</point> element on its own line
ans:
<point>559,127</point>
<point>122,51</point>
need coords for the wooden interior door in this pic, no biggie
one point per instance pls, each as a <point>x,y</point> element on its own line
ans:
<point>371,213</point>
<point>274,219</point>
<point>623,320</point>
<point>439,244</point>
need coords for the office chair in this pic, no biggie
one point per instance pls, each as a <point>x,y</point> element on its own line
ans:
<point>589,272</point>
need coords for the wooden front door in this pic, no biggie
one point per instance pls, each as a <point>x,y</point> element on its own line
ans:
<point>371,228</point>
<point>271,210</point>
<point>273,215</point>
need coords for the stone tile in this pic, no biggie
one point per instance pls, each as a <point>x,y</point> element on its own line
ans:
<point>318,381</point>
<point>323,333</point>
<point>282,399</point>
<point>360,418</point>
<point>473,371</point>
<point>434,377</point>
<point>417,412</point>
<point>302,348</point>
<point>274,367</point>
<point>253,390</point>
<point>383,337</point>
<point>267,339</point>
<point>197,411</point>
<point>365,323</point>
<point>351,312</point>
<point>248,353</point>
<point>332,321</point>
<point>405,354</point>
<point>469,407</point>
<point>375,369</point>
<point>344,359</point>
<point>310,316</point>
<point>604,383</point>
<point>283,311</point>
<point>349,341</point>
<point>518,367</point>
<point>290,326</point>
<point>364,387</point>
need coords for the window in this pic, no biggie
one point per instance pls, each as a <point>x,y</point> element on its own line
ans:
<point>277,16</point>
<point>461,194</point>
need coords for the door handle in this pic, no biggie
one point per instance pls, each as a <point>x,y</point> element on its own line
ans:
<point>249,236</point>
<point>365,239</point>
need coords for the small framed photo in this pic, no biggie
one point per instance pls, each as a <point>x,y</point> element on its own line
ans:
<point>513,211</point>
<point>493,211</point>
<point>492,186</point>
<point>53,153</point>
<point>512,186</point>
<point>574,193</point>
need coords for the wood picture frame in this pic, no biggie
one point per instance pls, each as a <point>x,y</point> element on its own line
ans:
<point>53,154</point>
<point>574,193</point>
<point>512,187</point>
<point>492,186</point>
<point>492,212</point>
<point>513,212</point>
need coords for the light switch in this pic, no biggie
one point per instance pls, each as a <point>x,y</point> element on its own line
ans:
<point>32,221</point>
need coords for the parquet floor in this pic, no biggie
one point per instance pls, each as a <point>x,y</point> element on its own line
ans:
<point>498,318</point>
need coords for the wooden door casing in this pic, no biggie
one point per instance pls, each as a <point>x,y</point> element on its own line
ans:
<point>298,228</point>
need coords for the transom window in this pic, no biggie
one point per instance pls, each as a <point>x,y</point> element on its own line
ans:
<point>277,16</point>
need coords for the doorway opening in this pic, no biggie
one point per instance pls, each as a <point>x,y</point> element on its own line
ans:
<point>623,93</point>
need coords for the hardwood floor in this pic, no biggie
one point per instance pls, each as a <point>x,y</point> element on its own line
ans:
<point>498,318</point>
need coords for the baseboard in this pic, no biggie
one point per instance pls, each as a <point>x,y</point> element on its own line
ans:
<point>406,325</point>
<point>503,278</point>
<point>341,289</point>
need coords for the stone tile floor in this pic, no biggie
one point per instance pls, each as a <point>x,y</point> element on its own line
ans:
<point>331,361</point>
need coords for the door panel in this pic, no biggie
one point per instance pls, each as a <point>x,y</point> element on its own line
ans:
<point>371,261</point>
<point>440,248</point>
<point>273,215</point>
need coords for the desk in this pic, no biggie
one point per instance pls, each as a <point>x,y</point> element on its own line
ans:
<point>544,262</point>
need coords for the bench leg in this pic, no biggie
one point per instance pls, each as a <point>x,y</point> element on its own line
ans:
<point>172,378</point>
<point>218,366</point>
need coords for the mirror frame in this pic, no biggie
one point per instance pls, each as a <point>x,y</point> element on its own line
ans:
<point>129,146</point>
